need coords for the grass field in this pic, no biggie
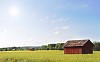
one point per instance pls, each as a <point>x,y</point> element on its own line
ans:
<point>47,56</point>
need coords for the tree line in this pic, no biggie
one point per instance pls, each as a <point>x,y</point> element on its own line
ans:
<point>58,46</point>
<point>31,48</point>
<point>97,46</point>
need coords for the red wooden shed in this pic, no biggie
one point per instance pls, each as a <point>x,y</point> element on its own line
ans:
<point>78,47</point>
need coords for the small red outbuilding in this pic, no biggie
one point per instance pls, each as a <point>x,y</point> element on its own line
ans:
<point>78,47</point>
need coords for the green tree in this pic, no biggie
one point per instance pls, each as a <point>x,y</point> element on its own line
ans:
<point>59,46</point>
<point>44,47</point>
<point>97,45</point>
<point>51,46</point>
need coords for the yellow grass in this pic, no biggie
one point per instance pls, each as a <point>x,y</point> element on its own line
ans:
<point>47,56</point>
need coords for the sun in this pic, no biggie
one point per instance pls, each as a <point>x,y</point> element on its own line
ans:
<point>14,11</point>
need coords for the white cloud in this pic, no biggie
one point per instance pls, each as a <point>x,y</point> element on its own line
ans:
<point>65,27</point>
<point>84,5</point>
<point>57,32</point>
<point>44,19</point>
<point>5,31</point>
<point>62,19</point>
<point>75,37</point>
<point>60,6</point>
<point>58,20</point>
<point>60,30</point>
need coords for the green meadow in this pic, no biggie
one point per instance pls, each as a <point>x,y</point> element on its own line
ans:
<point>47,56</point>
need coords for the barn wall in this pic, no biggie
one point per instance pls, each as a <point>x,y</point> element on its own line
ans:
<point>73,50</point>
<point>87,48</point>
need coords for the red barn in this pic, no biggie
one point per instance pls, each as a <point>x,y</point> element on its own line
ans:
<point>78,47</point>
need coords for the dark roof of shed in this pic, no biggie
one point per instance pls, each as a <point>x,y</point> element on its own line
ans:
<point>73,43</point>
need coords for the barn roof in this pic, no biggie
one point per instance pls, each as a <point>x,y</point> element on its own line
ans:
<point>73,43</point>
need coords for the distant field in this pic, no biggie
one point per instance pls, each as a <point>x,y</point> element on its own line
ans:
<point>47,56</point>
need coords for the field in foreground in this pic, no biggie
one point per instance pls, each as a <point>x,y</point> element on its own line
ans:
<point>47,56</point>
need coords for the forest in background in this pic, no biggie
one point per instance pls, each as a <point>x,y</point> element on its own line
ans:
<point>58,46</point>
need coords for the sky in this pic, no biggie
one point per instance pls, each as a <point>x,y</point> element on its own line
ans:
<point>42,22</point>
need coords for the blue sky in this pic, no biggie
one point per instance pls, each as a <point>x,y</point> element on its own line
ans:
<point>40,22</point>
